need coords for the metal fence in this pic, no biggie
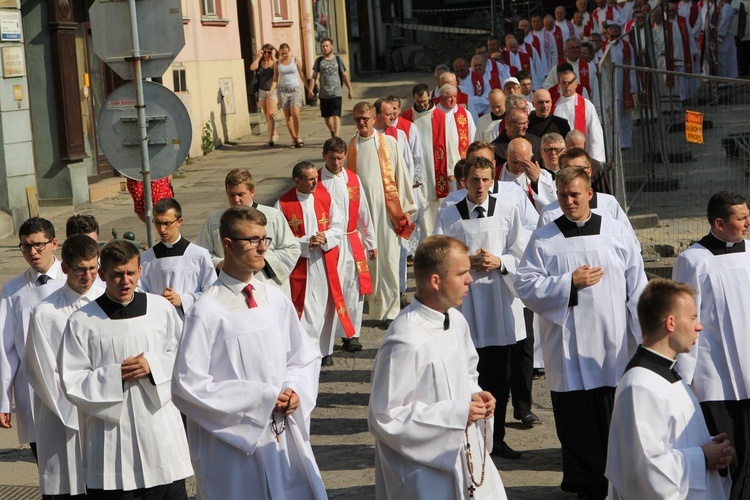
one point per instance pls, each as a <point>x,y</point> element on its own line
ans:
<point>661,172</point>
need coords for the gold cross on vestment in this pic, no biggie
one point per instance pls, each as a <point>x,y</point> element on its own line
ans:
<point>342,311</point>
<point>294,222</point>
<point>441,184</point>
<point>323,221</point>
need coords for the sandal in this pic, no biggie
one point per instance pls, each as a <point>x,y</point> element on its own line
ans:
<point>271,144</point>
<point>293,145</point>
<point>300,144</point>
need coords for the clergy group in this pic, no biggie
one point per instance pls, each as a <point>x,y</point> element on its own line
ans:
<point>131,372</point>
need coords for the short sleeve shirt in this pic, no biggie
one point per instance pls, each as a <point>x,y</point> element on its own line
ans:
<point>330,82</point>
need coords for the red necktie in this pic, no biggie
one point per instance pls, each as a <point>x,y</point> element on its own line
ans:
<point>248,291</point>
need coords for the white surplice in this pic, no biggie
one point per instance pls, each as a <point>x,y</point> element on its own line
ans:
<point>318,318</point>
<point>509,192</point>
<point>491,308</point>
<point>718,366</point>
<point>336,184</point>
<point>19,296</point>
<point>655,441</point>
<point>281,255</point>
<point>586,345</point>
<point>384,302</point>
<point>58,444</point>
<point>422,381</point>
<point>132,434</point>
<point>232,364</point>
<point>184,267</point>
<point>601,203</point>
<point>592,94</point>
<point>566,108</point>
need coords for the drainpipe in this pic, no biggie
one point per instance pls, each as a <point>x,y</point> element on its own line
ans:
<point>308,37</point>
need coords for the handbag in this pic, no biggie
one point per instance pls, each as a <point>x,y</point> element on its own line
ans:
<point>254,86</point>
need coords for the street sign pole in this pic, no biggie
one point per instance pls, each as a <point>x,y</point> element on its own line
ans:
<point>140,107</point>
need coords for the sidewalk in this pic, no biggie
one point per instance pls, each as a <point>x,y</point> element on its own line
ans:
<point>199,187</point>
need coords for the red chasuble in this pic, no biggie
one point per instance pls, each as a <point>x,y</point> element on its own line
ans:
<point>292,210</point>
<point>440,159</point>
<point>358,250</point>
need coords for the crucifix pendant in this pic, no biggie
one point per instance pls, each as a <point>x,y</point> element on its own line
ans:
<point>278,436</point>
<point>471,491</point>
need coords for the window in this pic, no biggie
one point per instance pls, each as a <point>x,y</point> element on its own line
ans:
<point>324,19</point>
<point>179,80</point>
<point>210,8</point>
<point>281,10</point>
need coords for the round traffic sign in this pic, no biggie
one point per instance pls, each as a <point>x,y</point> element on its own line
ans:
<point>168,125</point>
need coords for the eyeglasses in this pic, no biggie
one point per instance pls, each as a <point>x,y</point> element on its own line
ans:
<point>255,241</point>
<point>39,246</point>
<point>557,151</point>
<point>165,225</point>
<point>361,118</point>
<point>83,271</point>
<point>267,52</point>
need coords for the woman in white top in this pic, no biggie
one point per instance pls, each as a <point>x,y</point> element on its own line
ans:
<point>264,65</point>
<point>288,78</point>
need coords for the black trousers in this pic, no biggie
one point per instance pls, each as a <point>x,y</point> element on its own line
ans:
<point>66,496</point>
<point>172,491</point>
<point>733,417</point>
<point>494,377</point>
<point>582,421</point>
<point>522,366</point>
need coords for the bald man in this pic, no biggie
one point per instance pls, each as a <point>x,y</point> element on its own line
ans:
<point>519,61</point>
<point>599,182</point>
<point>542,121</point>
<point>488,126</point>
<point>479,84</point>
<point>565,26</point>
<point>521,169</point>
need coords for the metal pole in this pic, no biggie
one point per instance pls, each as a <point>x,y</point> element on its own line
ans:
<point>493,10</point>
<point>142,128</point>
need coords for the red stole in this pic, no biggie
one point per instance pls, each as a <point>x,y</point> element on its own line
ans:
<point>685,35</point>
<point>462,125</point>
<point>695,11</point>
<point>536,43</point>
<point>358,250</point>
<point>559,42</point>
<point>392,131</point>
<point>439,158</point>
<point>477,83</point>
<point>390,189</point>
<point>523,58</point>
<point>292,210</point>
<point>579,108</point>
<point>584,78</point>
<point>404,125</point>
<point>495,82</point>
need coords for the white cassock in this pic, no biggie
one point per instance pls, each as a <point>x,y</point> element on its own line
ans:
<point>549,54</point>
<point>624,115</point>
<point>688,86</point>
<point>491,307</point>
<point>415,146</point>
<point>568,31</point>
<point>58,444</point>
<point>727,51</point>
<point>600,203</point>
<point>718,366</point>
<point>487,128</point>
<point>336,184</point>
<point>430,202</point>
<point>546,191</point>
<point>656,435</point>
<point>184,267</point>
<point>566,108</point>
<point>604,314</point>
<point>19,296</point>
<point>451,135</point>
<point>131,433</point>
<point>422,380</point>
<point>384,302</point>
<point>281,256</point>
<point>509,192</point>
<point>319,312</point>
<point>232,365</point>
<point>536,60</point>
<point>608,13</point>
<point>592,96</point>
<point>514,60</point>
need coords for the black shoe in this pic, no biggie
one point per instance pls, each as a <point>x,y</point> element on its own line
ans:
<point>505,451</point>
<point>327,361</point>
<point>526,417</point>
<point>351,345</point>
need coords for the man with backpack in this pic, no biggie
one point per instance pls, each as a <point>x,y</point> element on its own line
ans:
<point>333,76</point>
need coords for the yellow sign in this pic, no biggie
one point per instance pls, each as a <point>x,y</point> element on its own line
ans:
<point>17,93</point>
<point>694,127</point>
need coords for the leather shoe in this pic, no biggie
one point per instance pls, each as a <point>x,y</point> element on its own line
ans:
<point>327,361</point>
<point>351,345</point>
<point>505,451</point>
<point>526,417</point>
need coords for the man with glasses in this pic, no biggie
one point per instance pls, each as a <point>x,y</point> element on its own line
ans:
<point>553,145</point>
<point>246,377</point>
<point>56,418</point>
<point>579,111</point>
<point>386,184</point>
<point>175,268</point>
<point>516,125</point>
<point>316,288</point>
<point>44,275</point>
<point>283,252</point>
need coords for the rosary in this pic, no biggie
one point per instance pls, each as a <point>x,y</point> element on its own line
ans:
<point>278,429</point>
<point>470,464</point>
